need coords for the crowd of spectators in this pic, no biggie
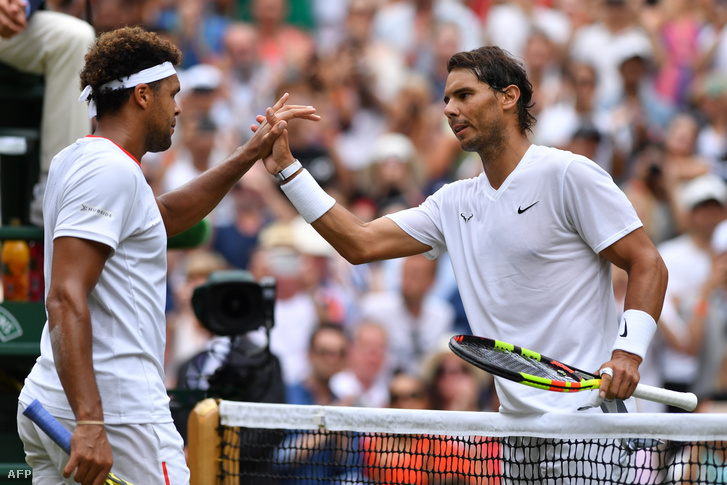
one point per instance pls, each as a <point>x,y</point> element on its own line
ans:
<point>638,86</point>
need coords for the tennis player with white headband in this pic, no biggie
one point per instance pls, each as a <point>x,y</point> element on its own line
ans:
<point>149,75</point>
<point>101,368</point>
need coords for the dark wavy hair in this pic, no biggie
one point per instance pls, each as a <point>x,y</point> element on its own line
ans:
<point>499,69</point>
<point>118,54</point>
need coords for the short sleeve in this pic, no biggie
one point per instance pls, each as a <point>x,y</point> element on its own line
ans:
<point>424,224</point>
<point>595,206</point>
<point>96,203</point>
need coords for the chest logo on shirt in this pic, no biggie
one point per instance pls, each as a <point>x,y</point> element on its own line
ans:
<point>520,210</point>
<point>466,216</point>
<point>96,210</point>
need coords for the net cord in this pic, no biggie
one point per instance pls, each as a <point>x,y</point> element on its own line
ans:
<point>693,427</point>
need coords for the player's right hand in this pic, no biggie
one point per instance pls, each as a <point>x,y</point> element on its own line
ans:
<point>91,457</point>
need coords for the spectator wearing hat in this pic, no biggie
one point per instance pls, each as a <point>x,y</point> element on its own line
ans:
<point>711,98</point>
<point>601,43</point>
<point>688,258</point>
<point>292,254</point>
<point>681,162</point>
<point>636,115</point>
<point>707,327</point>
<point>393,174</point>
<point>295,311</point>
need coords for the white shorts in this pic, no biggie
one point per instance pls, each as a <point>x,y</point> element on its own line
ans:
<point>143,453</point>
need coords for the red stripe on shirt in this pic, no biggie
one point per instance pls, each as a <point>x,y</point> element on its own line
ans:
<point>129,154</point>
<point>166,475</point>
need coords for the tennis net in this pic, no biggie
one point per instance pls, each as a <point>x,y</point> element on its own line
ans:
<point>238,443</point>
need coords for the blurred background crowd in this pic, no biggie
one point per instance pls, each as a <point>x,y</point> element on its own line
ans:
<point>638,86</point>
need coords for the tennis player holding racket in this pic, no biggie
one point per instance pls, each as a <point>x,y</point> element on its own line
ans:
<point>100,372</point>
<point>531,240</point>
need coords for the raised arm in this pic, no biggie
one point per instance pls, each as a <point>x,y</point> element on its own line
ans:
<point>647,278</point>
<point>184,207</point>
<point>357,241</point>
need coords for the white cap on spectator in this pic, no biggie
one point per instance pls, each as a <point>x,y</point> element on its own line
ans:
<point>200,77</point>
<point>634,49</point>
<point>308,241</point>
<point>719,238</point>
<point>393,145</point>
<point>297,235</point>
<point>702,189</point>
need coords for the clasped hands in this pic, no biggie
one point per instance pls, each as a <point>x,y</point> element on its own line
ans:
<point>271,135</point>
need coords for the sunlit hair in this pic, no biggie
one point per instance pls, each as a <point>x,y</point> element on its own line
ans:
<point>499,69</point>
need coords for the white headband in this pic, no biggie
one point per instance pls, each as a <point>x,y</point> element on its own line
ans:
<point>155,73</point>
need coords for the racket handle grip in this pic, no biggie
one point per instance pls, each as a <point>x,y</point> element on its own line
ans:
<point>50,425</point>
<point>683,400</point>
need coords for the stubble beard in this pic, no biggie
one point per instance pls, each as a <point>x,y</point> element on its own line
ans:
<point>158,141</point>
<point>487,144</point>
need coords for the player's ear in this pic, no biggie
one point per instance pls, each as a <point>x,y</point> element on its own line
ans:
<point>142,95</point>
<point>510,97</point>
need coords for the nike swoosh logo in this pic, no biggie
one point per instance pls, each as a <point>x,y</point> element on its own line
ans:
<point>520,210</point>
<point>626,330</point>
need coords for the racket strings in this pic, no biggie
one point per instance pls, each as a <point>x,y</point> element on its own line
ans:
<point>519,363</point>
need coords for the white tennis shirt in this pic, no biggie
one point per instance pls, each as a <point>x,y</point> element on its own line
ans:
<point>526,259</point>
<point>97,191</point>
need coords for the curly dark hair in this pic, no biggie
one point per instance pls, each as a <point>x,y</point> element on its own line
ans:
<point>118,54</point>
<point>499,69</point>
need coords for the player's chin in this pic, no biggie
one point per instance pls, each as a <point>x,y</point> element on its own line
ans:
<point>160,144</point>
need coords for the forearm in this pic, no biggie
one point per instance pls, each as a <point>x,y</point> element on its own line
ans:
<point>646,286</point>
<point>187,205</point>
<point>72,342</point>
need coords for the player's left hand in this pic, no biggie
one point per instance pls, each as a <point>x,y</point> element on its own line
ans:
<point>621,385</point>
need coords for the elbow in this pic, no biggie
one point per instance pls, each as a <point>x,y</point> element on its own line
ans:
<point>357,256</point>
<point>663,272</point>
<point>60,305</point>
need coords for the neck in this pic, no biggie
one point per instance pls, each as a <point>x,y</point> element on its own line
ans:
<point>122,132</point>
<point>499,162</point>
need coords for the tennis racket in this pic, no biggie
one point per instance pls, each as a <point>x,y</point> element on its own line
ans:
<point>62,437</point>
<point>533,369</point>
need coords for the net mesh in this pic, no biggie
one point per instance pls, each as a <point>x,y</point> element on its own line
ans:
<point>282,444</point>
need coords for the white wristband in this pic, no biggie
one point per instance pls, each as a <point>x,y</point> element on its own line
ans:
<point>635,332</point>
<point>307,196</point>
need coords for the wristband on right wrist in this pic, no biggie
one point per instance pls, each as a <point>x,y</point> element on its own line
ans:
<point>636,330</point>
<point>307,196</point>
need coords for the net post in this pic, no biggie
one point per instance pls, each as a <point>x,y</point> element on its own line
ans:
<point>203,441</point>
